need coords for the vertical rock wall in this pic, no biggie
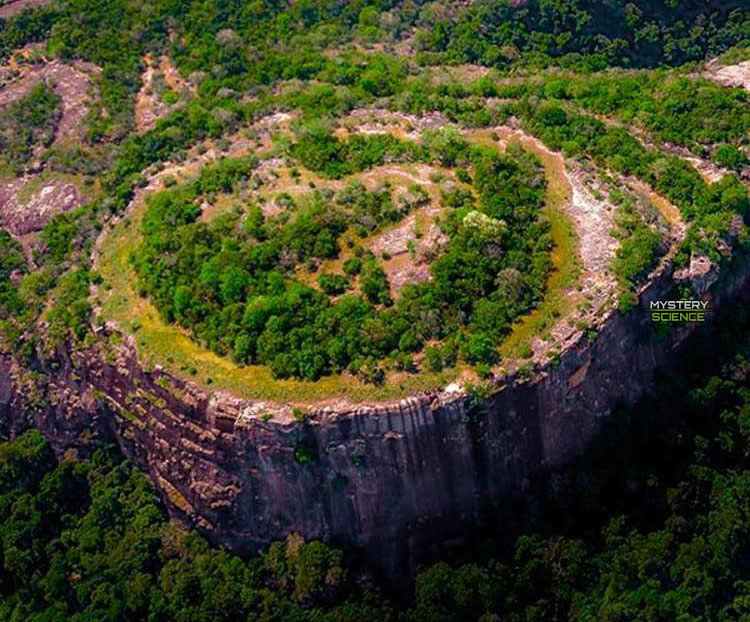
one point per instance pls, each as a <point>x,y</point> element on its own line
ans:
<point>390,479</point>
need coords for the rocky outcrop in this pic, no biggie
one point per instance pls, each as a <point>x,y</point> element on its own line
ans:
<point>72,82</point>
<point>9,8</point>
<point>21,217</point>
<point>729,75</point>
<point>390,479</point>
<point>700,274</point>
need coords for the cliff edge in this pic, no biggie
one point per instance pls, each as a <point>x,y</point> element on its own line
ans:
<point>389,479</point>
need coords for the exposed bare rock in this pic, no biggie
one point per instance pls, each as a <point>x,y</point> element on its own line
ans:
<point>710,172</point>
<point>273,121</point>
<point>237,144</point>
<point>730,75</point>
<point>592,218</point>
<point>382,121</point>
<point>158,76</point>
<point>736,226</point>
<point>702,273</point>
<point>395,241</point>
<point>271,165</point>
<point>21,217</point>
<point>391,479</point>
<point>148,105</point>
<point>407,273</point>
<point>71,81</point>
<point>9,8</point>
<point>431,244</point>
<point>594,221</point>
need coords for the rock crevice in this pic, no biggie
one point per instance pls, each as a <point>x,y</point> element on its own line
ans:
<point>389,479</point>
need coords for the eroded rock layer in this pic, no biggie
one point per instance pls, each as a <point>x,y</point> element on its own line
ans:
<point>391,479</point>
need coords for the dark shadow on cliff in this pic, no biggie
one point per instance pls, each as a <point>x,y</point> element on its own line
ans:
<point>641,451</point>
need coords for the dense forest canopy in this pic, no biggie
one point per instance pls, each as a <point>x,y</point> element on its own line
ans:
<point>234,287</point>
<point>321,59</point>
<point>651,525</point>
<point>239,45</point>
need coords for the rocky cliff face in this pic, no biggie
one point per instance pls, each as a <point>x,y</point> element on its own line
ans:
<point>391,479</point>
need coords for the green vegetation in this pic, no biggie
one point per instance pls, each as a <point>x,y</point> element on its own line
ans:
<point>233,285</point>
<point>30,26</point>
<point>320,60</point>
<point>709,207</point>
<point>89,540</point>
<point>641,243</point>
<point>564,257</point>
<point>30,123</point>
<point>651,524</point>
<point>636,255</point>
<point>691,112</point>
<point>11,261</point>
<point>322,152</point>
<point>730,157</point>
<point>295,295</point>
<point>581,33</point>
<point>167,344</point>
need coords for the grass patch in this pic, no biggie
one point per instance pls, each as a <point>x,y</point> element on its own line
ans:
<point>734,56</point>
<point>171,347</point>
<point>37,182</point>
<point>565,261</point>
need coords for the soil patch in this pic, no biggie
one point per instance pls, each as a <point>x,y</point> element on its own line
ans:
<point>13,7</point>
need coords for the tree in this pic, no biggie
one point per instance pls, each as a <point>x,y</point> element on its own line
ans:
<point>374,283</point>
<point>479,348</point>
<point>730,157</point>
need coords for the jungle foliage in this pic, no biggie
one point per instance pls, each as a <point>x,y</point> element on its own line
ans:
<point>29,125</point>
<point>314,49</point>
<point>654,526</point>
<point>233,283</point>
<point>89,540</point>
<point>651,524</point>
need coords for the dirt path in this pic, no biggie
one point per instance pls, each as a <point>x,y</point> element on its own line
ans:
<point>149,104</point>
<point>580,275</point>
<point>593,221</point>
<point>581,288</point>
<point>117,303</point>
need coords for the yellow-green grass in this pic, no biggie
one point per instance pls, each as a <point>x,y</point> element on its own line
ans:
<point>669,211</point>
<point>36,182</point>
<point>166,344</point>
<point>559,298</point>
<point>398,176</point>
<point>7,172</point>
<point>736,55</point>
<point>424,217</point>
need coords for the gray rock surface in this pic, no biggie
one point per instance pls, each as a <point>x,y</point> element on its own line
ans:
<point>391,479</point>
